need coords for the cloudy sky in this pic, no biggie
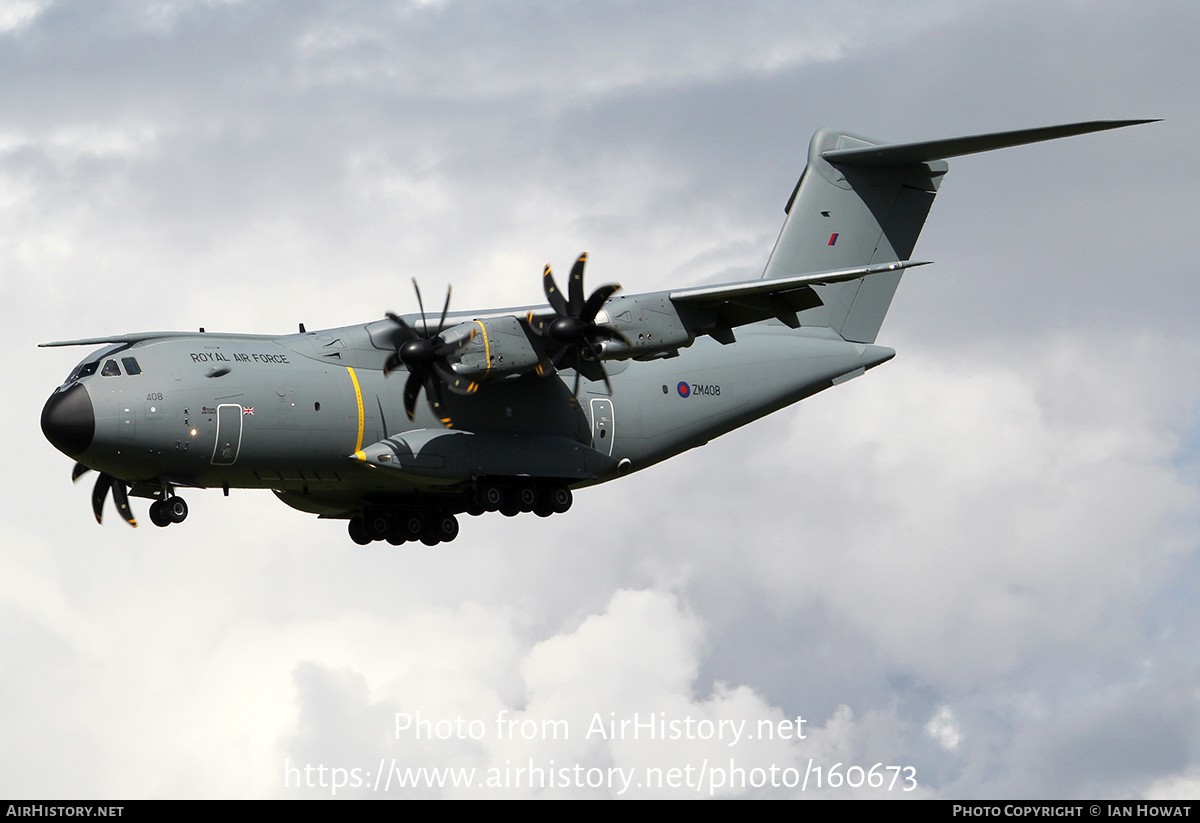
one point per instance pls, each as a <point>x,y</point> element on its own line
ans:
<point>978,564</point>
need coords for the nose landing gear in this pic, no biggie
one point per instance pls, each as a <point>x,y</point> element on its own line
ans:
<point>168,510</point>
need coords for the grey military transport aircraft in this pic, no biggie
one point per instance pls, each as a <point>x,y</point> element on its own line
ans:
<point>521,405</point>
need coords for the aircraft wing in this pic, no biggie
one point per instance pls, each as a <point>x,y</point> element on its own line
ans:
<point>139,337</point>
<point>717,309</point>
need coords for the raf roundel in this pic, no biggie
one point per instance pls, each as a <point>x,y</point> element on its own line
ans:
<point>683,390</point>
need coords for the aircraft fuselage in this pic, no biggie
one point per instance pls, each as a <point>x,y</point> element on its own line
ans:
<point>295,413</point>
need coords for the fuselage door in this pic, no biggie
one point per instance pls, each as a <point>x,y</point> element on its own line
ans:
<point>603,424</point>
<point>229,434</point>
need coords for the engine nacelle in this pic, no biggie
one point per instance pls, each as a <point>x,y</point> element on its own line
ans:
<point>500,348</point>
<point>650,323</point>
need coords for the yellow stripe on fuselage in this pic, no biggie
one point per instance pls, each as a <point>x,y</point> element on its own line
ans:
<point>358,397</point>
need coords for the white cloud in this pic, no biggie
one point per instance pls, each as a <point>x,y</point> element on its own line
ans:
<point>1002,520</point>
<point>1183,786</point>
<point>17,14</point>
<point>943,727</point>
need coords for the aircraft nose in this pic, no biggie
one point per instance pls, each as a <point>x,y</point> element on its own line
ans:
<point>68,420</point>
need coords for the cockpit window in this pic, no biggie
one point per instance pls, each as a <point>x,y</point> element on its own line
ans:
<point>131,365</point>
<point>88,369</point>
<point>111,369</point>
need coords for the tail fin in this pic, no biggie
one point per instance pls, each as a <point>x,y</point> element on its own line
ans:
<point>861,202</point>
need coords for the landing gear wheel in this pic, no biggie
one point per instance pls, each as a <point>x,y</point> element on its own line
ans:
<point>376,526</point>
<point>158,514</point>
<point>525,496</point>
<point>429,535</point>
<point>560,499</point>
<point>176,509</point>
<point>473,506</point>
<point>413,527</point>
<point>445,527</point>
<point>553,499</point>
<point>357,533</point>
<point>490,496</point>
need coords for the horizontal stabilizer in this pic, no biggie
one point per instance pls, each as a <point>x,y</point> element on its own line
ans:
<point>924,151</point>
<point>778,285</point>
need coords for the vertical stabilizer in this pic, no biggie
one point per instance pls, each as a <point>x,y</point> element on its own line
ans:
<point>845,216</point>
<point>861,202</point>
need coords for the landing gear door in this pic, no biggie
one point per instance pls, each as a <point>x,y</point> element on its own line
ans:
<point>603,425</point>
<point>229,434</point>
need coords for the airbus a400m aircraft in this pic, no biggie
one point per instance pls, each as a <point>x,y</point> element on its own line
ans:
<point>520,405</point>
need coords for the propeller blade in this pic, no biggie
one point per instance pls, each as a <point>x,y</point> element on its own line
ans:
<point>604,372</point>
<point>99,492</point>
<point>537,325</point>
<point>393,362</point>
<point>608,333</point>
<point>421,305</point>
<point>409,331</point>
<point>599,298</point>
<point>596,360</point>
<point>553,294</point>
<point>454,382</point>
<point>433,393</point>
<point>445,309</point>
<point>79,471</point>
<point>121,498</point>
<point>576,285</point>
<point>445,349</point>
<point>412,388</point>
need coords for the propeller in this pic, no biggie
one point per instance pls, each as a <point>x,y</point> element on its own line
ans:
<point>575,331</point>
<point>425,356</point>
<point>105,483</point>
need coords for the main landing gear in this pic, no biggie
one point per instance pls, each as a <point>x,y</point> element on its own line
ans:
<point>168,510</point>
<point>510,497</point>
<point>430,529</point>
<point>514,497</point>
